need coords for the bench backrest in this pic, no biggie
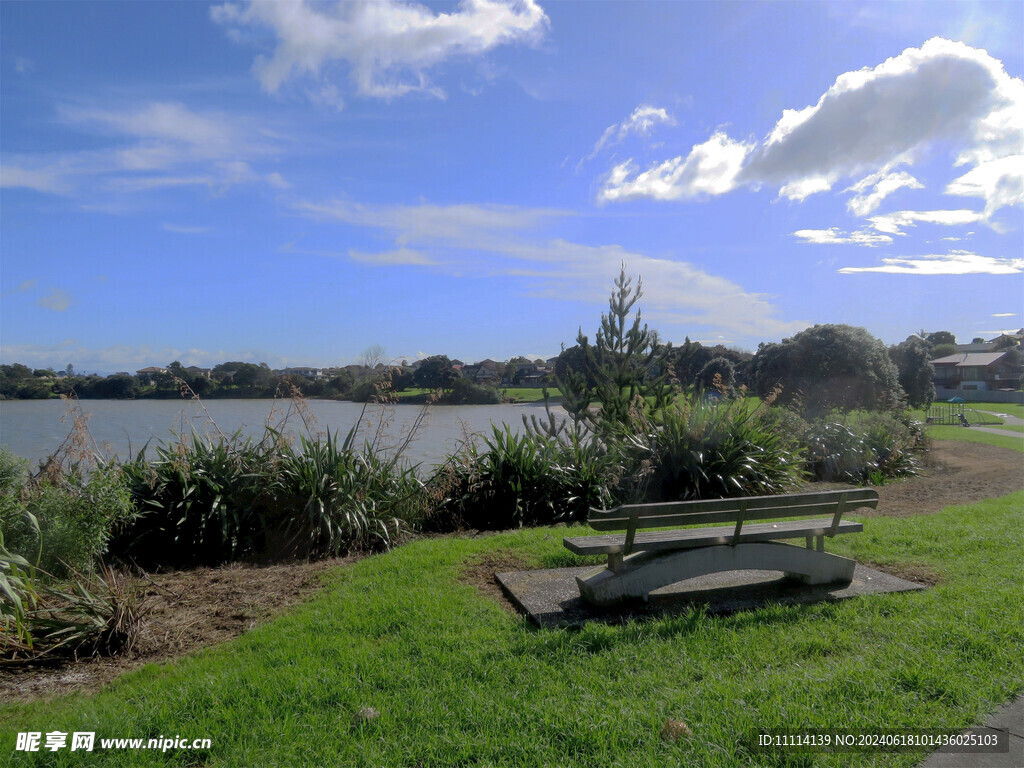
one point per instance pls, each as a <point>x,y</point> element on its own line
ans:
<point>737,511</point>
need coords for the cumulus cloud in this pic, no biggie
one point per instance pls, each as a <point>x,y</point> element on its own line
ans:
<point>509,241</point>
<point>868,122</point>
<point>387,45</point>
<point>710,169</point>
<point>952,263</point>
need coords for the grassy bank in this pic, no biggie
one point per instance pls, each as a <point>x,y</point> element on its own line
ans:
<point>458,680</point>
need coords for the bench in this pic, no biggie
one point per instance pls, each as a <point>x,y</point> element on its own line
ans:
<point>641,560</point>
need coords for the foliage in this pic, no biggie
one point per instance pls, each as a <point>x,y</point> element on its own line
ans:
<point>828,367</point>
<point>329,498</point>
<point>943,350</point>
<point>916,372</point>
<point>699,449</point>
<point>717,374</point>
<point>521,480</point>
<point>465,392</point>
<point>435,373</point>
<point>213,500</point>
<point>66,516</point>
<point>622,378</point>
<point>865,448</point>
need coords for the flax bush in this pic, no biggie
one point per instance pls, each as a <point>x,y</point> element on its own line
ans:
<point>517,480</point>
<point>699,449</point>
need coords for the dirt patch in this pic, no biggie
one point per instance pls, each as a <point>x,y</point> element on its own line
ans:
<point>184,611</point>
<point>917,573</point>
<point>480,573</point>
<point>955,474</point>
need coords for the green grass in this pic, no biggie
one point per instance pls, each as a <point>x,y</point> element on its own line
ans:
<point>1010,409</point>
<point>974,436</point>
<point>459,681</point>
<point>531,394</point>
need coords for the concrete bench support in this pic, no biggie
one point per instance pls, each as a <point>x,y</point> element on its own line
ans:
<point>640,574</point>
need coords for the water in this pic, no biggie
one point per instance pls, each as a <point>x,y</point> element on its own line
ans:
<point>33,429</point>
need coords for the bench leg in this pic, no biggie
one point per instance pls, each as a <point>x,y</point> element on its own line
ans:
<point>642,573</point>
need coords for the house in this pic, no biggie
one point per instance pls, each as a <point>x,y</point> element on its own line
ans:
<point>195,371</point>
<point>305,371</point>
<point>148,373</point>
<point>484,372</point>
<point>977,371</point>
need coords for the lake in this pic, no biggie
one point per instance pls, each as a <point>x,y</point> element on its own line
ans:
<point>33,429</point>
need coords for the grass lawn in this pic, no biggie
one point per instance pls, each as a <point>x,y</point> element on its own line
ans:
<point>458,680</point>
<point>1010,409</point>
<point>1011,441</point>
<point>531,394</point>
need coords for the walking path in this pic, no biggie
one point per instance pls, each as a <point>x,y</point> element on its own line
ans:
<point>1008,719</point>
<point>1007,421</point>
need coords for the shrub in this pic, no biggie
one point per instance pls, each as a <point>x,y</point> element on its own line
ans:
<point>329,498</point>
<point>519,480</point>
<point>64,521</point>
<point>865,447</point>
<point>465,392</point>
<point>702,450</point>
<point>198,502</point>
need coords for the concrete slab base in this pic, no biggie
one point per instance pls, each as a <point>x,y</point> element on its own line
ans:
<point>551,598</point>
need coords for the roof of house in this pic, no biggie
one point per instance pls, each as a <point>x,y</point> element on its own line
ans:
<point>970,359</point>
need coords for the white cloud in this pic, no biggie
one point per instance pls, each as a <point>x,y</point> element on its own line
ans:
<point>641,122</point>
<point>711,168</point>
<point>42,179</point>
<point>999,182</point>
<point>388,45</point>
<point>834,236</point>
<point>391,258</point>
<point>57,300</point>
<point>895,223</point>
<point>952,263</point>
<point>185,230</point>
<point>152,145</point>
<point>508,241</point>
<point>873,189</point>
<point>868,122</point>
<point>1004,314</point>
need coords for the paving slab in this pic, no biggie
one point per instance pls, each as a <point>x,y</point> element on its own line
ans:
<point>1008,723</point>
<point>550,597</point>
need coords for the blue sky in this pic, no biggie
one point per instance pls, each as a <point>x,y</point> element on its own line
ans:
<point>292,182</point>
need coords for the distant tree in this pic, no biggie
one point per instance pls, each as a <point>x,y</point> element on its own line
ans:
<point>977,340</point>
<point>943,350</point>
<point>69,370</point>
<point>827,367</point>
<point>916,372</point>
<point>940,337</point>
<point>717,366</point>
<point>1005,342</point>
<point>372,355</point>
<point>119,386</point>
<point>435,373</point>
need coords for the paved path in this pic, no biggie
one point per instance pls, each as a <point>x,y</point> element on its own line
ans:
<point>1008,719</point>
<point>1008,421</point>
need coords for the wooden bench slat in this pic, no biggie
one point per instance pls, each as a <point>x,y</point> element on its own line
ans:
<point>725,510</point>
<point>705,537</point>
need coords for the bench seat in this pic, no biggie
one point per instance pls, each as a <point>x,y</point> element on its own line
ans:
<point>706,537</point>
